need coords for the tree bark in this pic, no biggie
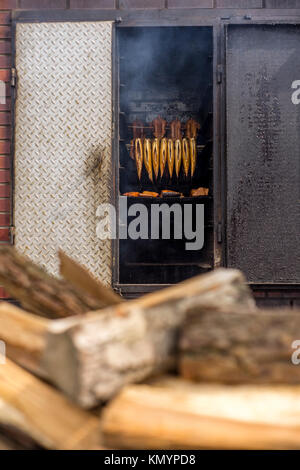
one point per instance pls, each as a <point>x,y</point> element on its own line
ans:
<point>39,411</point>
<point>99,354</point>
<point>251,347</point>
<point>41,293</point>
<point>174,414</point>
<point>81,278</point>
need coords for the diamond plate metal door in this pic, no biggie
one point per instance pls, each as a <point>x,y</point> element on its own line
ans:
<point>63,123</point>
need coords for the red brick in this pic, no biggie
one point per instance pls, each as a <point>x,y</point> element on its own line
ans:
<point>4,162</point>
<point>4,176</point>
<point>5,118</point>
<point>5,220</point>
<point>4,190</point>
<point>6,106</point>
<point>8,4</point>
<point>5,75</point>
<point>282,3</point>
<point>4,294</point>
<point>141,4</point>
<point>5,132</point>
<point>259,294</point>
<point>5,46</point>
<point>293,294</point>
<point>4,147</point>
<point>39,4</point>
<point>5,61</point>
<point>190,3</point>
<point>5,18</point>
<point>275,294</point>
<point>7,88</point>
<point>4,205</point>
<point>239,3</point>
<point>5,32</point>
<point>110,4</point>
<point>4,235</point>
<point>272,303</point>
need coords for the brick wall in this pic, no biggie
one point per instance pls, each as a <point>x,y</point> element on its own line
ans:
<point>273,297</point>
<point>263,297</point>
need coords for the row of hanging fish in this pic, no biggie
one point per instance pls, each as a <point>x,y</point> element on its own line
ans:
<point>160,152</point>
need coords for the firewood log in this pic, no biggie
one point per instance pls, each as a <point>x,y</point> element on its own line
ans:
<point>12,438</point>
<point>175,414</point>
<point>8,444</point>
<point>46,416</point>
<point>90,357</point>
<point>43,294</point>
<point>24,335</point>
<point>99,354</point>
<point>81,278</point>
<point>251,347</point>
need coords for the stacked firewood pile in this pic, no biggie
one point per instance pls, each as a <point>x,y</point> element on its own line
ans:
<point>87,370</point>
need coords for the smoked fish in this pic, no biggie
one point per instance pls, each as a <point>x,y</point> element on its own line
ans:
<point>155,156</point>
<point>138,153</point>
<point>148,158</point>
<point>163,155</point>
<point>178,156</point>
<point>185,156</point>
<point>171,157</point>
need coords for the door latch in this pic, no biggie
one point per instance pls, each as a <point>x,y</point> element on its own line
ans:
<point>219,73</point>
<point>13,79</point>
<point>12,231</point>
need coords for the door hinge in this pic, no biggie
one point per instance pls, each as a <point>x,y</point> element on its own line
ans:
<point>12,234</point>
<point>219,73</point>
<point>219,232</point>
<point>117,290</point>
<point>13,80</point>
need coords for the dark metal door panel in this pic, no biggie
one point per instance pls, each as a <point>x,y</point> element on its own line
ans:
<point>263,152</point>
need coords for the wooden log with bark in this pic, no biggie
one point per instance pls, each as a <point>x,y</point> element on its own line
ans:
<point>91,357</point>
<point>81,278</point>
<point>46,295</point>
<point>11,439</point>
<point>99,354</point>
<point>24,335</point>
<point>176,414</point>
<point>243,347</point>
<point>44,414</point>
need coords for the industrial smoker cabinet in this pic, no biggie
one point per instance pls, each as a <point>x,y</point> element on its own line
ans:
<point>82,77</point>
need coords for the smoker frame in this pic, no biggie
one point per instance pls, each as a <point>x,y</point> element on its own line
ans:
<point>132,289</point>
<point>218,19</point>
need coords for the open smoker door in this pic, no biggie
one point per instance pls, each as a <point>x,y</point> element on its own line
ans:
<point>63,141</point>
<point>263,152</point>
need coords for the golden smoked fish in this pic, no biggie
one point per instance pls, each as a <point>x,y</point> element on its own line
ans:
<point>138,153</point>
<point>193,155</point>
<point>163,155</point>
<point>171,157</point>
<point>155,157</point>
<point>148,158</point>
<point>185,156</point>
<point>178,156</point>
